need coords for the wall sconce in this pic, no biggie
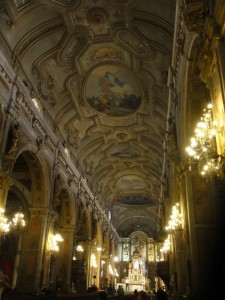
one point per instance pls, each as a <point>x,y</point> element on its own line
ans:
<point>53,243</point>
<point>17,222</point>
<point>202,149</point>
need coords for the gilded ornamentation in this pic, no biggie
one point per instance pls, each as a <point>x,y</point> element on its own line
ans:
<point>5,181</point>
<point>194,19</point>
<point>108,53</point>
<point>206,53</point>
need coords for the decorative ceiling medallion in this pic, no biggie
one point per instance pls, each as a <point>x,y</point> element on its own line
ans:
<point>97,16</point>
<point>112,90</point>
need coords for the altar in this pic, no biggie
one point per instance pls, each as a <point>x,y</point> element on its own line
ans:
<point>136,273</point>
<point>131,287</point>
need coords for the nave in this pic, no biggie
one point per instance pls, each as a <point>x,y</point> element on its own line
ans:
<point>112,147</point>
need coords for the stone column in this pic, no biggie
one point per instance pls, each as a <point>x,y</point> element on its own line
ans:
<point>32,254</point>
<point>220,53</point>
<point>192,255</point>
<point>64,259</point>
<point>88,261</point>
<point>121,246</point>
<point>180,258</point>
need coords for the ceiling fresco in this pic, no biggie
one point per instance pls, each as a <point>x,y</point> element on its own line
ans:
<point>111,90</point>
<point>98,70</point>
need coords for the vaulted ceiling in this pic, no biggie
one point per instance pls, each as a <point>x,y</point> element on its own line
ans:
<point>99,71</point>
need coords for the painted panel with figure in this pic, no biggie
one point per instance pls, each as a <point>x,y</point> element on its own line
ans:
<point>112,90</point>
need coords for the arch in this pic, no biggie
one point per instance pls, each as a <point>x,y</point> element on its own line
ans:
<point>34,164</point>
<point>28,191</point>
<point>194,94</point>
<point>67,208</point>
<point>197,196</point>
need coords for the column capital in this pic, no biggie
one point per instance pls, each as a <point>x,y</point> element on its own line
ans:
<point>5,180</point>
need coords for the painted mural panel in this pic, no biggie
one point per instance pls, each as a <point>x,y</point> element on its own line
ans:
<point>112,90</point>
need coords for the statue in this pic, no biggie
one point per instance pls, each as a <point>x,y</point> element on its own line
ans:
<point>14,139</point>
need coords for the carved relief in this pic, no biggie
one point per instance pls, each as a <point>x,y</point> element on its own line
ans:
<point>5,181</point>
<point>72,46</point>
<point>89,168</point>
<point>47,98</point>
<point>72,137</point>
<point>12,147</point>
<point>194,17</point>
<point>107,53</point>
<point>132,42</point>
<point>97,16</point>
<point>4,85</point>
<point>206,53</point>
<point>138,241</point>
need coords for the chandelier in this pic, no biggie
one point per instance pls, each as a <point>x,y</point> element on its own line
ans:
<point>175,220</point>
<point>17,222</point>
<point>174,223</point>
<point>53,243</point>
<point>166,245</point>
<point>202,149</point>
<point>4,224</point>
